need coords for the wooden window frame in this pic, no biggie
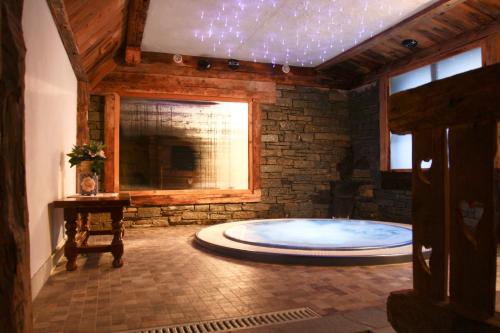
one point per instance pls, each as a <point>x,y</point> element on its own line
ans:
<point>488,46</point>
<point>181,197</point>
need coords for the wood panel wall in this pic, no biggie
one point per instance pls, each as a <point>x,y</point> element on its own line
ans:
<point>15,282</point>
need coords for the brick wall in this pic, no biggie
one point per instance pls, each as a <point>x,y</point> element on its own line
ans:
<point>305,134</point>
<point>372,201</point>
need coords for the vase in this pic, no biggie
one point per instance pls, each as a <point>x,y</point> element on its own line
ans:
<point>89,183</point>
<point>88,180</point>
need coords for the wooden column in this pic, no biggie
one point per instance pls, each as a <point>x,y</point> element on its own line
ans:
<point>137,13</point>
<point>82,122</point>
<point>15,282</point>
<point>491,56</point>
<point>111,141</point>
<point>459,189</point>
<point>473,242</point>
<point>430,213</point>
<point>82,114</point>
<point>385,135</point>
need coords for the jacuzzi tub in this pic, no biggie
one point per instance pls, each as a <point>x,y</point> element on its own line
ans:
<point>311,241</point>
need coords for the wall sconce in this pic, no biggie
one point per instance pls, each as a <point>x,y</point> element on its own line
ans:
<point>177,58</point>
<point>285,69</point>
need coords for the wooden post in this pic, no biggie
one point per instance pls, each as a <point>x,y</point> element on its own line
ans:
<point>473,242</point>
<point>460,189</point>
<point>491,56</point>
<point>15,283</point>
<point>83,102</point>
<point>430,213</point>
<point>384,124</point>
<point>137,13</point>
<point>111,141</point>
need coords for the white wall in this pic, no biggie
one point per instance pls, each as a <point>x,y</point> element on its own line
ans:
<point>50,98</point>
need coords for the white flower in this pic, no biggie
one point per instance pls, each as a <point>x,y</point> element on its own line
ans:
<point>101,154</point>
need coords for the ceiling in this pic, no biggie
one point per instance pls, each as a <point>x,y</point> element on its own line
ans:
<point>296,32</point>
<point>98,29</point>
<point>96,33</point>
<point>452,23</point>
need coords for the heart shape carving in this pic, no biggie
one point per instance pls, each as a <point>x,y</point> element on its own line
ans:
<point>471,213</point>
<point>424,169</point>
<point>425,255</point>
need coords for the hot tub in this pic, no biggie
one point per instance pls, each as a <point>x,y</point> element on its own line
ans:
<point>311,241</point>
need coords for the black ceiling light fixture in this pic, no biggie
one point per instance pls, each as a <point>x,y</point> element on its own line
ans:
<point>410,43</point>
<point>204,64</point>
<point>233,64</point>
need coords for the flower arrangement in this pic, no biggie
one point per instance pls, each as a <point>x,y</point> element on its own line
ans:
<point>92,152</point>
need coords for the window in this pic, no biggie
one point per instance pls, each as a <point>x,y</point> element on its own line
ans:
<point>177,145</point>
<point>401,145</point>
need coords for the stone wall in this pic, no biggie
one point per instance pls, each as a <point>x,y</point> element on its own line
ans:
<point>305,134</point>
<point>372,200</point>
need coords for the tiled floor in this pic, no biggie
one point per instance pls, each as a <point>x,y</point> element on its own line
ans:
<point>165,280</point>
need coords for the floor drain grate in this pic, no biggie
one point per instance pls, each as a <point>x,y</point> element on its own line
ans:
<point>237,323</point>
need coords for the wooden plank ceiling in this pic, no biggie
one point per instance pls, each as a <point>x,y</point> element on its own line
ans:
<point>96,34</point>
<point>438,25</point>
<point>93,32</point>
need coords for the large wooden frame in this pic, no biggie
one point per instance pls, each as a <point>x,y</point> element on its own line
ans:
<point>173,197</point>
<point>489,44</point>
<point>454,123</point>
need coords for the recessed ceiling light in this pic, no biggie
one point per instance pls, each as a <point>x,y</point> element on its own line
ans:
<point>233,64</point>
<point>285,68</point>
<point>409,43</point>
<point>204,64</point>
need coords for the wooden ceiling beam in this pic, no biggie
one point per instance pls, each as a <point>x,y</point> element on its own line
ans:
<point>429,12</point>
<point>436,52</point>
<point>137,13</point>
<point>61,19</point>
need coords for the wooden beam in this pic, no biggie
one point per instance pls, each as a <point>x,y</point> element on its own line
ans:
<point>15,282</point>
<point>471,96</point>
<point>83,101</point>
<point>430,213</point>
<point>473,249</point>
<point>61,19</point>
<point>132,55</point>
<point>491,56</point>
<point>111,141</point>
<point>137,13</point>
<point>157,73</point>
<point>100,71</point>
<point>385,142</point>
<point>433,10</point>
<point>184,197</point>
<point>255,144</point>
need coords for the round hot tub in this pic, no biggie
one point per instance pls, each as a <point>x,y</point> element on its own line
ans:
<point>311,241</point>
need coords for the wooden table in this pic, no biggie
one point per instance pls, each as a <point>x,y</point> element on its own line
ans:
<point>76,215</point>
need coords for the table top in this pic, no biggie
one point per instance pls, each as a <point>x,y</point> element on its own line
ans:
<point>122,199</point>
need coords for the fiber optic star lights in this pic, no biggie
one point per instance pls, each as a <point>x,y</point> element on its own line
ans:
<point>293,32</point>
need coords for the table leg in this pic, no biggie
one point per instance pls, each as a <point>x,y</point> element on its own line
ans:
<point>117,243</point>
<point>85,226</point>
<point>70,251</point>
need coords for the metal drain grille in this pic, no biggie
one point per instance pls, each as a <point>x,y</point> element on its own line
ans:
<point>237,323</point>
